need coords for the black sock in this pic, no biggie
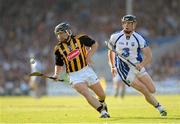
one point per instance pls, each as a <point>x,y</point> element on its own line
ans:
<point>99,109</point>
<point>101,101</point>
<point>104,105</point>
<point>157,105</point>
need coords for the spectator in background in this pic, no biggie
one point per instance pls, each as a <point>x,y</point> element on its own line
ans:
<point>37,84</point>
<point>2,81</point>
<point>119,85</point>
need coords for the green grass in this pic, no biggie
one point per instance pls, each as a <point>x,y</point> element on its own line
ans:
<point>74,109</point>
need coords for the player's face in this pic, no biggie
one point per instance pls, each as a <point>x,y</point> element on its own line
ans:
<point>128,26</point>
<point>62,36</point>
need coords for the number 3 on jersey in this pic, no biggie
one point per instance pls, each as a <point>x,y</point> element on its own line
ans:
<point>125,52</point>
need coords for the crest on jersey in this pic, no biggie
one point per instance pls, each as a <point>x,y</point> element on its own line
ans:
<point>70,49</point>
<point>125,52</point>
<point>132,44</point>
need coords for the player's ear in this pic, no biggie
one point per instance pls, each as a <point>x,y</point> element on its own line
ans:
<point>134,26</point>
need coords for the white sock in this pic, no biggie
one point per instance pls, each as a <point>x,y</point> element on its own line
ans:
<point>160,108</point>
<point>103,112</point>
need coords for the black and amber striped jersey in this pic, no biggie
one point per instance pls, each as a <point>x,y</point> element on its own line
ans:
<point>73,52</point>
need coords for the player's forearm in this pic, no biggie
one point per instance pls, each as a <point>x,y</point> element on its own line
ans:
<point>111,57</point>
<point>58,69</point>
<point>147,57</point>
<point>146,61</point>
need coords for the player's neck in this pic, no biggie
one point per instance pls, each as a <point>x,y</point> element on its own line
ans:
<point>128,33</point>
<point>67,40</point>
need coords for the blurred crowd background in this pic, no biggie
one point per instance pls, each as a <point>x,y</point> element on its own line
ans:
<point>27,27</point>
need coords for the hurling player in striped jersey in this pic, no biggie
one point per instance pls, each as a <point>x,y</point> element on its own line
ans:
<point>71,52</point>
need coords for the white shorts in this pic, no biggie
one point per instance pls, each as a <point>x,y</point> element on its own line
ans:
<point>128,74</point>
<point>132,75</point>
<point>85,75</point>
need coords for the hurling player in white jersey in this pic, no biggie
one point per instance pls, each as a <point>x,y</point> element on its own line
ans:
<point>134,48</point>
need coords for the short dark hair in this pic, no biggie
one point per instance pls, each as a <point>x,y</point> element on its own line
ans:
<point>62,27</point>
<point>130,18</point>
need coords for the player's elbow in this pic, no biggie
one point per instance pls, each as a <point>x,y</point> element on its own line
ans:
<point>149,55</point>
<point>94,47</point>
<point>96,44</point>
<point>150,58</point>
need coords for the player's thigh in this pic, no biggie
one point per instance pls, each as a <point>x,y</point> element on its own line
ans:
<point>148,82</point>
<point>138,85</point>
<point>82,88</point>
<point>98,90</point>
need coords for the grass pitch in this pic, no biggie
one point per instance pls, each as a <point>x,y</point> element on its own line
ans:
<point>74,109</point>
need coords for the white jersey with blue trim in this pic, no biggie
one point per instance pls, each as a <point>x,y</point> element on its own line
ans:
<point>130,47</point>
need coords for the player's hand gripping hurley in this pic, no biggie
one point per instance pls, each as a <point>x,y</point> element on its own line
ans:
<point>132,65</point>
<point>44,76</point>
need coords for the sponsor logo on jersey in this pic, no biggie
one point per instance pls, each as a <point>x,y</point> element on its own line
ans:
<point>121,43</point>
<point>73,54</point>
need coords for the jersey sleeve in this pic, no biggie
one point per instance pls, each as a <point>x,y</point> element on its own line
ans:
<point>112,39</point>
<point>87,41</point>
<point>58,57</point>
<point>143,43</point>
<point>115,37</point>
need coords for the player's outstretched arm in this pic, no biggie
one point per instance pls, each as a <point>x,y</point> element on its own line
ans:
<point>91,53</point>
<point>57,71</point>
<point>111,58</point>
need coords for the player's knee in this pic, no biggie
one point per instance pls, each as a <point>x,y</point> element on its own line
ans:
<point>102,96</point>
<point>140,88</point>
<point>152,90</point>
<point>143,90</point>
